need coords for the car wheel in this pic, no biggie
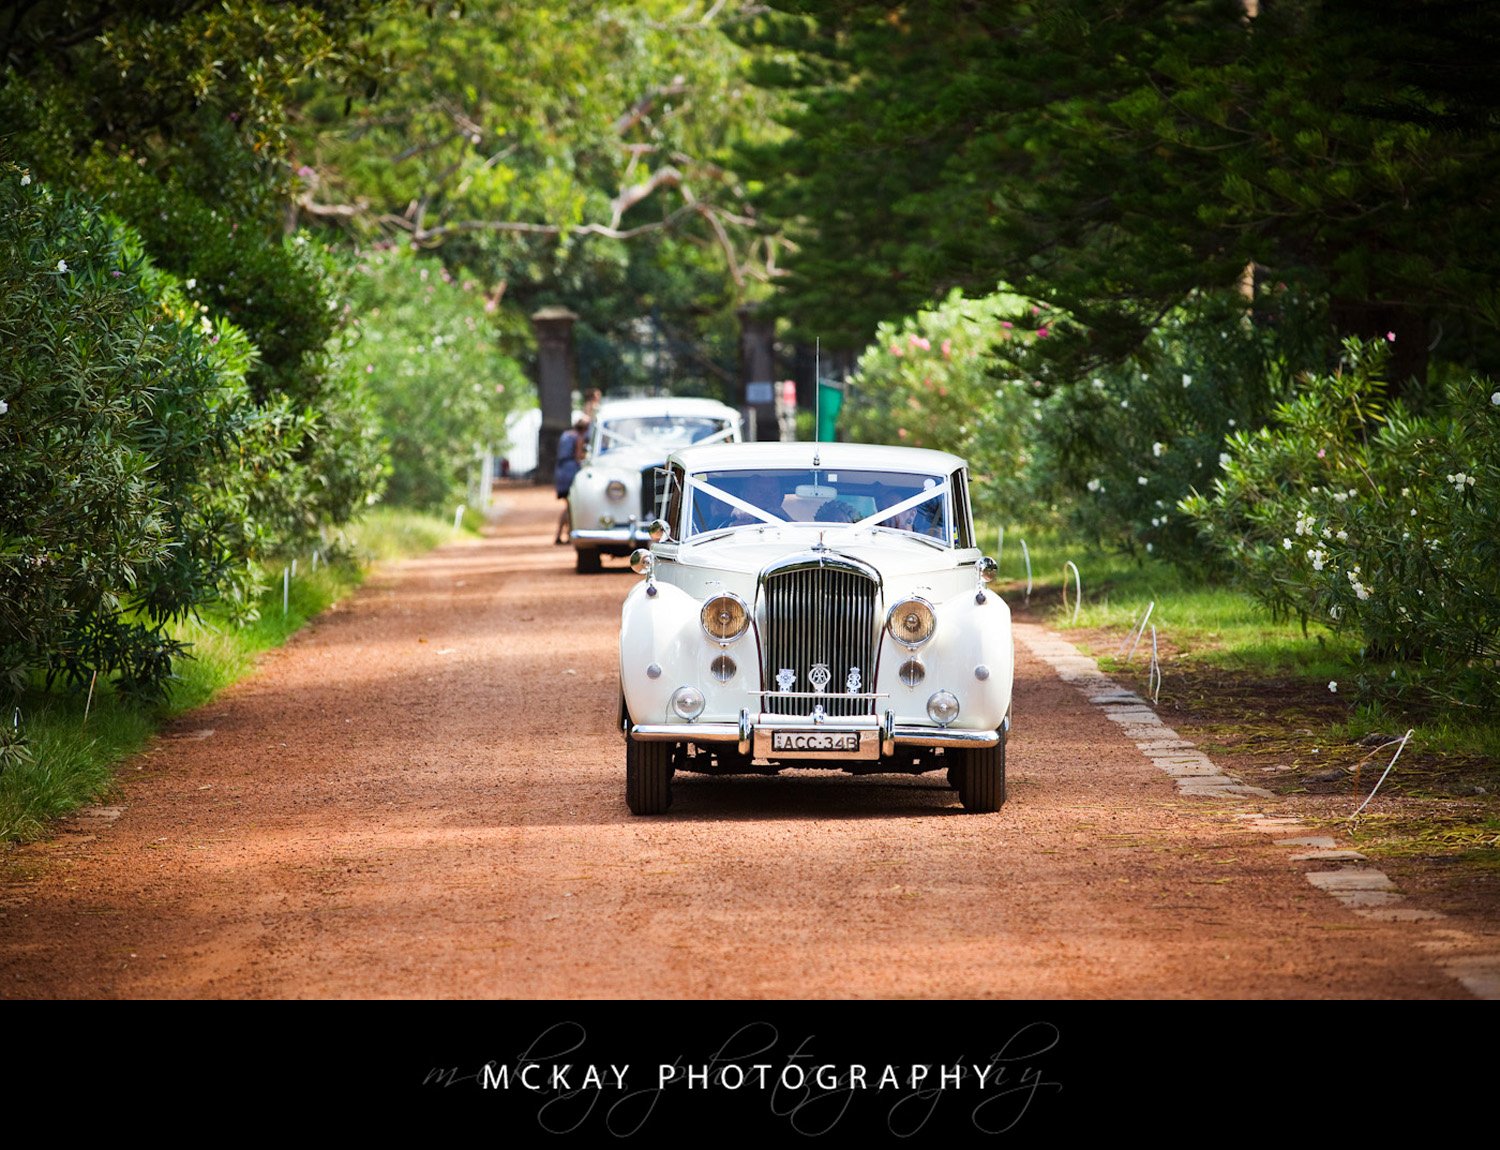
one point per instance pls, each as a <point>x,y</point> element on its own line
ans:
<point>981,778</point>
<point>586,561</point>
<point>648,777</point>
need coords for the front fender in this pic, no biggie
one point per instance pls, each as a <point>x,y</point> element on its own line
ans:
<point>660,630</point>
<point>969,636</point>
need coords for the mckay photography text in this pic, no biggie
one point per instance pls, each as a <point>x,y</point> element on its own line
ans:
<point>572,1084</point>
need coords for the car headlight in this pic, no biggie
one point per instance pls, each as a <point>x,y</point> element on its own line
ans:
<point>911,622</point>
<point>724,617</point>
<point>942,708</point>
<point>615,490</point>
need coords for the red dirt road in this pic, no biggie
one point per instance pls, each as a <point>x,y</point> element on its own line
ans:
<point>422,796</point>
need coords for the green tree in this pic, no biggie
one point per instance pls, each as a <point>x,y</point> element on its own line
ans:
<point>571,151</point>
<point>1113,158</point>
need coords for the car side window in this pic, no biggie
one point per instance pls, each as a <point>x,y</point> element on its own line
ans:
<point>963,519</point>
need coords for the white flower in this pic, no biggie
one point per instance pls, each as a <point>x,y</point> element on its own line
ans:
<point>1362,591</point>
<point>1187,380</point>
<point>1149,548</point>
<point>62,265</point>
<point>1157,449</point>
<point>1124,403</point>
<point>191,284</point>
<point>4,407</point>
<point>1098,384</point>
<point>1286,544</point>
<point>1223,459</point>
<point>1405,491</point>
<point>1495,399</point>
<point>1343,536</point>
<point>1334,611</point>
<point>26,179</point>
<point>1333,685</point>
<point>1413,512</point>
<point>1316,556</point>
<point>1306,525</point>
<point>1142,480</point>
<point>1155,522</point>
<point>1094,485</point>
<point>1231,423</point>
<point>1339,497</point>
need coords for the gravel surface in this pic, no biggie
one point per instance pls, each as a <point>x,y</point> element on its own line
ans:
<point>422,795</point>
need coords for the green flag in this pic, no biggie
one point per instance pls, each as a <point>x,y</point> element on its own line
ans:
<point>830,401</point>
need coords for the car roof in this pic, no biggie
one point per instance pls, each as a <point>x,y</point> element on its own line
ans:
<point>664,405</point>
<point>861,456</point>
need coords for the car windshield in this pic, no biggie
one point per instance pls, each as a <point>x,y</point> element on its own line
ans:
<point>897,501</point>
<point>661,431</point>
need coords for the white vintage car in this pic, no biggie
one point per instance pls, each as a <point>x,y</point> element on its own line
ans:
<point>610,504</point>
<point>814,605</point>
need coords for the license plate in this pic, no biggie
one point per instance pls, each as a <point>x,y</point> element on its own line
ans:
<point>815,740</point>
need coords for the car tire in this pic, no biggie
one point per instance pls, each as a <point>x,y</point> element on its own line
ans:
<point>981,778</point>
<point>586,561</point>
<point>648,777</point>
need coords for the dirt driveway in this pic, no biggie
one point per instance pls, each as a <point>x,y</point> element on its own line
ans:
<point>422,796</point>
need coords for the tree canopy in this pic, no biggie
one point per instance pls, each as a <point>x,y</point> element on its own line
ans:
<point>1113,158</point>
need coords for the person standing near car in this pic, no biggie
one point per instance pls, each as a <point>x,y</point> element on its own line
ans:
<point>571,446</point>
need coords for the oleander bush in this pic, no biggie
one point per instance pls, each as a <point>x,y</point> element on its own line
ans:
<point>428,355</point>
<point>1120,446</point>
<point>1383,524</point>
<point>124,419</point>
<point>931,381</point>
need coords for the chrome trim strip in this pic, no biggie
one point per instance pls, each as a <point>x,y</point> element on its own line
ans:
<point>612,535</point>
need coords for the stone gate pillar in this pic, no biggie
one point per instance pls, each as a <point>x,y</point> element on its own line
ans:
<point>758,373</point>
<point>554,383</point>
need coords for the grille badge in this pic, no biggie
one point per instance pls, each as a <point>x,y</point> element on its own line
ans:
<point>852,681</point>
<point>786,679</point>
<point>819,677</point>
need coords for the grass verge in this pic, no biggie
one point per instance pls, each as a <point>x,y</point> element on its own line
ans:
<point>74,744</point>
<point>1254,692</point>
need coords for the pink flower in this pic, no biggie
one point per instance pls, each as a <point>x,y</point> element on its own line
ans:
<point>947,348</point>
<point>1042,332</point>
<point>1321,453</point>
<point>305,172</point>
<point>900,433</point>
<point>1005,323</point>
<point>896,349</point>
<point>1390,336</point>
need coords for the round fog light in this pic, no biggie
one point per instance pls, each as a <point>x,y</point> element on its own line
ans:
<point>912,672</point>
<point>687,702</point>
<point>615,490</point>
<point>942,708</point>
<point>723,668</point>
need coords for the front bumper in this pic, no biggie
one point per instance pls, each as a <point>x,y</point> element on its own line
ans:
<point>875,735</point>
<point>620,539</point>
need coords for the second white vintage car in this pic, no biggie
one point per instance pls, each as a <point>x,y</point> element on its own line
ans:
<point>610,504</point>
<point>814,605</point>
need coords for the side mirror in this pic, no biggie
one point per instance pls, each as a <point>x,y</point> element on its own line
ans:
<point>641,561</point>
<point>987,569</point>
<point>660,529</point>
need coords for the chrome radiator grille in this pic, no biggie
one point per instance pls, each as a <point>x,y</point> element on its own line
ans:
<point>820,635</point>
